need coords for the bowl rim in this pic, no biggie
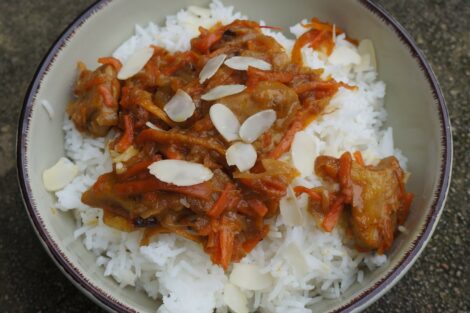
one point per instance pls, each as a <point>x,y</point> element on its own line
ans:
<point>364,298</point>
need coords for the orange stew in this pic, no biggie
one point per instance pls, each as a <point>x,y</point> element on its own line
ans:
<point>226,214</point>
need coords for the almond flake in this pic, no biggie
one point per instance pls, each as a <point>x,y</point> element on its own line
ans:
<point>256,125</point>
<point>222,91</point>
<point>296,259</point>
<point>242,63</point>
<point>366,47</point>
<point>211,67</point>
<point>135,63</point>
<point>180,173</point>
<point>153,126</point>
<point>343,55</point>
<point>235,299</point>
<point>249,276</point>
<point>290,210</point>
<point>242,155</point>
<point>180,107</point>
<point>59,175</point>
<point>303,152</point>
<point>225,121</point>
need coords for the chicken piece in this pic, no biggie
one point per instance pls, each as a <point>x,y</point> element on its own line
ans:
<point>105,194</point>
<point>94,111</point>
<point>376,195</point>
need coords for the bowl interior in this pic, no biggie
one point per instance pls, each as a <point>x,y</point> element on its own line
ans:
<point>410,102</point>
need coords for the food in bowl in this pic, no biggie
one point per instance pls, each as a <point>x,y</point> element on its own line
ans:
<point>222,165</point>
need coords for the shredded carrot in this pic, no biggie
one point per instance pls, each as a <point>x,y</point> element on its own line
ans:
<point>227,238</point>
<point>201,191</point>
<point>259,207</point>
<point>127,136</point>
<point>344,176</point>
<point>316,85</point>
<point>215,251</point>
<point>271,189</point>
<point>311,192</point>
<point>246,210</point>
<point>358,158</point>
<point>222,202</point>
<point>310,37</point>
<point>315,23</point>
<point>206,39</point>
<point>331,218</point>
<point>266,139</point>
<point>286,141</point>
<point>111,61</point>
<point>90,83</point>
<point>125,97</point>
<point>178,138</point>
<point>105,93</point>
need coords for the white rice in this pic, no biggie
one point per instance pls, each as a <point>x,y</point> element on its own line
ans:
<point>177,270</point>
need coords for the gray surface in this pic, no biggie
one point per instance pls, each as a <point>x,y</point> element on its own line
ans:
<point>438,282</point>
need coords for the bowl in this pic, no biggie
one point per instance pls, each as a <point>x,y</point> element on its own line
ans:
<point>414,102</point>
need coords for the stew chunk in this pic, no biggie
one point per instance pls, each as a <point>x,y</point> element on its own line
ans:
<point>375,195</point>
<point>95,109</point>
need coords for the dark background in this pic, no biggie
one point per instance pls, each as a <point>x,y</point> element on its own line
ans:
<point>438,282</point>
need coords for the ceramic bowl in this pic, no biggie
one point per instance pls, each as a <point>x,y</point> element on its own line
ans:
<point>414,103</point>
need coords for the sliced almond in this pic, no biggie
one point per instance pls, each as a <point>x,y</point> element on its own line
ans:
<point>211,67</point>
<point>225,121</point>
<point>222,91</point>
<point>235,299</point>
<point>249,277</point>
<point>180,107</point>
<point>343,55</point>
<point>242,63</point>
<point>135,63</point>
<point>296,260</point>
<point>59,175</point>
<point>153,126</point>
<point>366,47</point>
<point>242,155</point>
<point>303,152</point>
<point>256,125</point>
<point>290,210</point>
<point>180,173</point>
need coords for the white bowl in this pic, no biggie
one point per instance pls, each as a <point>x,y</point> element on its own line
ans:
<point>414,102</point>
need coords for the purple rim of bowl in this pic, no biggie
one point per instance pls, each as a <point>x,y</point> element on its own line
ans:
<point>361,301</point>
